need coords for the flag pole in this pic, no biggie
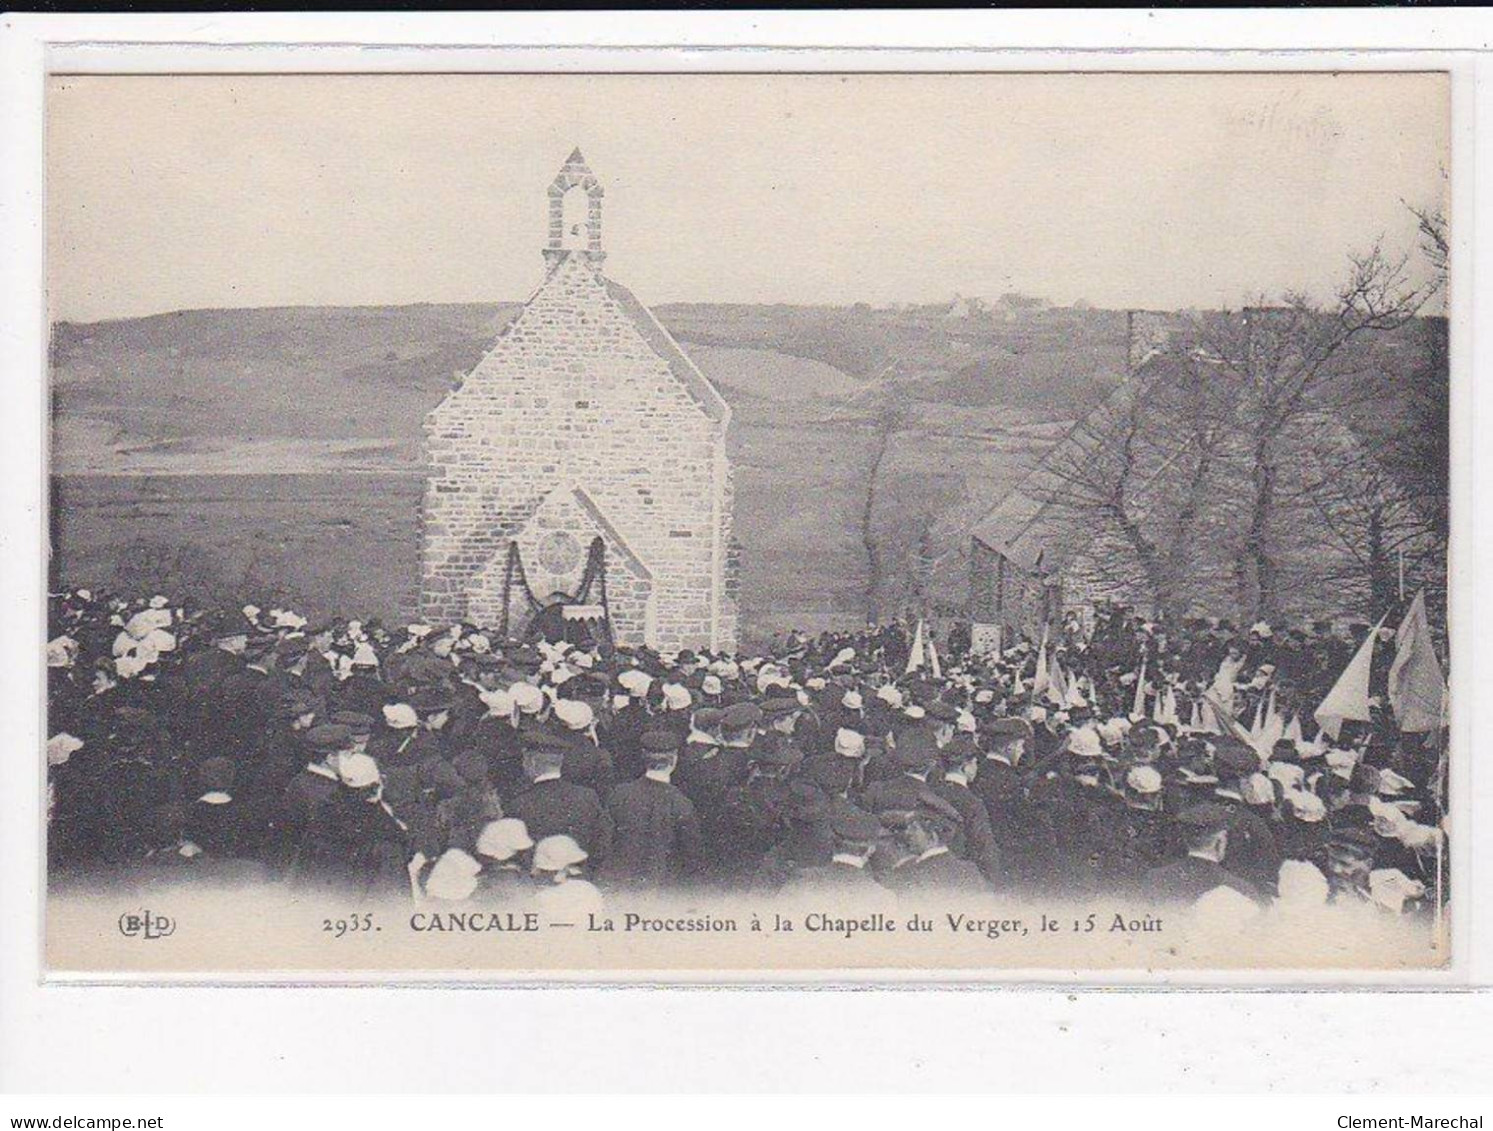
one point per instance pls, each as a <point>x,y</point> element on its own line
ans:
<point>1440,791</point>
<point>1439,924</point>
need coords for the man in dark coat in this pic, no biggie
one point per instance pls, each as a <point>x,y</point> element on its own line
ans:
<point>1023,832</point>
<point>1184,881</point>
<point>357,847</point>
<point>806,841</point>
<point>961,760</point>
<point>1143,831</point>
<point>297,826</point>
<point>931,869</point>
<point>707,768</point>
<point>552,806</point>
<point>755,813</point>
<point>1253,851</point>
<point>657,839</point>
<point>855,835</point>
<point>247,698</point>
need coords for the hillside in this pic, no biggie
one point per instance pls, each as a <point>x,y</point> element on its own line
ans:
<point>316,415</point>
<point>331,387</point>
<point>926,414</point>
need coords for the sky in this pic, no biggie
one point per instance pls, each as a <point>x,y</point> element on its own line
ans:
<point>1160,191</point>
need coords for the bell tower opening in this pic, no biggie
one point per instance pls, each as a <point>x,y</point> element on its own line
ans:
<point>574,213</point>
<point>574,206</point>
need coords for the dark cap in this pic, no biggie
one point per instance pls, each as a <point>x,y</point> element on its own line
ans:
<point>660,741</point>
<point>943,712</point>
<point>1235,757</point>
<point>849,823</point>
<point>958,750</point>
<point>775,750</point>
<point>708,718</point>
<point>829,772</point>
<point>1007,730</point>
<point>1208,817</point>
<point>329,738</point>
<point>525,657</point>
<point>740,716</point>
<point>355,721</point>
<point>776,706</point>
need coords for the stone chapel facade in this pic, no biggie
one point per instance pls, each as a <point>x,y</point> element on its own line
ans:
<point>582,462</point>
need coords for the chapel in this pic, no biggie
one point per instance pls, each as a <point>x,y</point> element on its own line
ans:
<point>577,482</point>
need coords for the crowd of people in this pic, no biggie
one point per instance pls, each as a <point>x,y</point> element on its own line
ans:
<point>1166,763</point>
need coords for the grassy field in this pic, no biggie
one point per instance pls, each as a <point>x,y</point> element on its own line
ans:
<point>340,542</point>
<point>324,543</point>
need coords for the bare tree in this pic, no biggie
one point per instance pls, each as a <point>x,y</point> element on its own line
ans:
<point>1289,361</point>
<point>886,421</point>
<point>888,424</point>
<point>1192,464</point>
<point>1419,451</point>
<point>1435,243</point>
<point>1384,546</point>
<point>1139,468</point>
<point>1093,481</point>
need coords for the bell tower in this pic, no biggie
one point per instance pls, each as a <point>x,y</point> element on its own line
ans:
<point>574,212</point>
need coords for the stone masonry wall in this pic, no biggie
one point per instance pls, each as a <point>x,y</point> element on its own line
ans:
<point>572,395</point>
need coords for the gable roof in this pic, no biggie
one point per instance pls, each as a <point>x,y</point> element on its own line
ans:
<point>588,505</point>
<point>663,344</point>
<point>1030,526</point>
<point>701,391</point>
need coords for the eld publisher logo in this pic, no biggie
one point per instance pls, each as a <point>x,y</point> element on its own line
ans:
<point>146,925</point>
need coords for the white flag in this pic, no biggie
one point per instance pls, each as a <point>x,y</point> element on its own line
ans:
<point>1057,686</point>
<point>1417,689</point>
<point>1138,708</point>
<point>915,656</point>
<point>1040,680</point>
<point>1349,697</point>
<point>1293,729</point>
<point>1272,730</point>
